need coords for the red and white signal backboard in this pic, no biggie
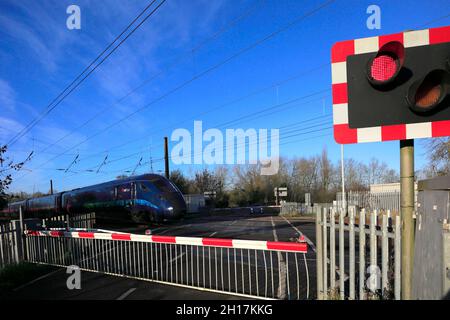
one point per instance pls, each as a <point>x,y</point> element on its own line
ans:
<point>399,124</point>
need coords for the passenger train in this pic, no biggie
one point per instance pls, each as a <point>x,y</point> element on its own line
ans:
<point>141,199</point>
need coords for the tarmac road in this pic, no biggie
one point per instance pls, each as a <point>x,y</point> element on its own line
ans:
<point>235,226</point>
<point>97,286</point>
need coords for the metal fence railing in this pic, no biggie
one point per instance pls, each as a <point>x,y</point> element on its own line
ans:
<point>10,243</point>
<point>11,233</point>
<point>83,221</point>
<point>389,200</point>
<point>358,256</point>
<point>261,269</point>
<point>295,209</point>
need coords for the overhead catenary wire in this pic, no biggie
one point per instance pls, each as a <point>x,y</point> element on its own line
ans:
<point>137,165</point>
<point>138,153</point>
<point>102,164</point>
<point>72,163</point>
<point>124,170</point>
<point>315,69</point>
<point>201,74</point>
<point>321,124</point>
<point>275,108</point>
<point>297,123</point>
<point>215,35</point>
<point>281,138</point>
<point>422,25</point>
<point>434,20</point>
<point>245,118</point>
<point>258,114</point>
<point>148,80</point>
<point>210,110</point>
<point>82,76</point>
<point>221,106</point>
<point>244,144</point>
<point>298,132</point>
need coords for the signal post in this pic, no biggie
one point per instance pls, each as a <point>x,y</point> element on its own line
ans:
<point>394,87</point>
<point>407,212</point>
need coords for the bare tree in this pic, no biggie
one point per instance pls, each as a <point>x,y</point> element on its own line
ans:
<point>379,172</point>
<point>7,167</point>
<point>304,177</point>
<point>438,157</point>
<point>206,180</point>
<point>355,175</point>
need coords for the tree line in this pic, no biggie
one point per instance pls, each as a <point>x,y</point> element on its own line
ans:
<point>318,175</point>
<point>243,185</point>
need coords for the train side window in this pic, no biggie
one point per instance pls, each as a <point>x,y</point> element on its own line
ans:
<point>143,187</point>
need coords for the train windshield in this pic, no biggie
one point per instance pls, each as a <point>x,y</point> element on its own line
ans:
<point>164,185</point>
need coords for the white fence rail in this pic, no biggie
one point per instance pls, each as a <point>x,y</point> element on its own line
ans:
<point>10,243</point>
<point>358,256</point>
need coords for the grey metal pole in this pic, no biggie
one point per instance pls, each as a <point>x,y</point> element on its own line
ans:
<point>22,235</point>
<point>319,252</point>
<point>166,157</point>
<point>343,178</point>
<point>21,218</point>
<point>51,186</point>
<point>407,210</point>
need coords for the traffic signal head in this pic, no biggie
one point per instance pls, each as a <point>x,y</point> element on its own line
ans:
<point>384,67</point>
<point>392,87</point>
<point>428,93</point>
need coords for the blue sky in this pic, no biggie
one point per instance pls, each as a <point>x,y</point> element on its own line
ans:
<point>39,56</point>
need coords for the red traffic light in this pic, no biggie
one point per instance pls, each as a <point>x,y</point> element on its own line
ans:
<point>427,93</point>
<point>387,63</point>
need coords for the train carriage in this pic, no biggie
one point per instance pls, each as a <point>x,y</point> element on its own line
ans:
<point>145,198</point>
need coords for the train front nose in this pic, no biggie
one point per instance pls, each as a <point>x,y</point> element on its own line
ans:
<point>176,206</point>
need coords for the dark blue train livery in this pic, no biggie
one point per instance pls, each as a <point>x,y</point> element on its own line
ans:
<point>145,198</point>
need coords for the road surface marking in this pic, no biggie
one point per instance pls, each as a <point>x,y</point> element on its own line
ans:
<point>311,244</point>
<point>281,293</point>
<point>213,234</point>
<point>126,294</point>
<point>274,231</point>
